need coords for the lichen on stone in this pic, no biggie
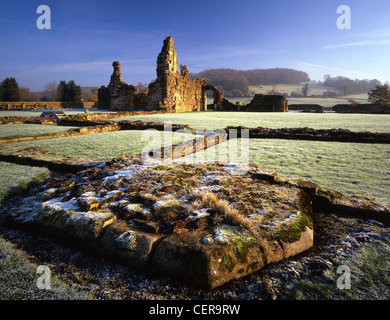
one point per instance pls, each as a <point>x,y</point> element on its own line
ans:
<point>127,240</point>
<point>167,202</point>
<point>87,225</point>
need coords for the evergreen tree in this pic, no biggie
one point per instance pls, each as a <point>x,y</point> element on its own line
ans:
<point>73,92</point>
<point>61,91</point>
<point>10,90</point>
<point>69,91</point>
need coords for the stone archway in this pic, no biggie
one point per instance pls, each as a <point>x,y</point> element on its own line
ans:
<point>218,96</point>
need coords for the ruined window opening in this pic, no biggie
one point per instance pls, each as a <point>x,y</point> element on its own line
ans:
<point>210,99</point>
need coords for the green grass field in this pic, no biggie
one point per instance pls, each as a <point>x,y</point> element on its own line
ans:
<point>19,278</point>
<point>23,130</point>
<point>349,168</point>
<point>217,120</point>
<point>14,176</point>
<point>102,146</point>
<point>315,88</point>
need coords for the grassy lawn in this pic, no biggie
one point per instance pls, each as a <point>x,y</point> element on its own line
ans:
<point>18,274</point>
<point>217,120</point>
<point>102,146</point>
<point>14,176</point>
<point>19,279</point>
<point>370,278</point>
<point>24,130</point>
<point>349,168</point>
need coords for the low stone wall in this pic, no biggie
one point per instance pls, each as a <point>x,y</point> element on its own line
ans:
<point>44,105</point>
<point>31,120</point>
<point>57,166</point>
<point>335,135</point>
<point>187,147</point>
<point>94,127</point>
<point>111,115</point>
<point>306,107</point>
<point>107,127</point>
<point>361,108</point>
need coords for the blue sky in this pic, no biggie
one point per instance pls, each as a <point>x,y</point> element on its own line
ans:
<point>86,36</point>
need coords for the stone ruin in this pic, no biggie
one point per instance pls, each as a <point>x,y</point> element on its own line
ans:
<point>171,91</point>
<point>267,103</point>
<point>176,92</point>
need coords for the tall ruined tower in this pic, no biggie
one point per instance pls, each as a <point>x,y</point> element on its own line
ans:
<point>173,91</point>
<point>167,59</point>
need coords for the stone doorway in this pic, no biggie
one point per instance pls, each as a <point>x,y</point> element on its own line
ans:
<point>216,101</point>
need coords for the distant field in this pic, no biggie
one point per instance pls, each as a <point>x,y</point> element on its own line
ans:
<point>326,102</point>
<point>315,89</point>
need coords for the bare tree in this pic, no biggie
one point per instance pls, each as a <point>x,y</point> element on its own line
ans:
<point>50,91</point>
<point>89,94</point>
<point>305,89</point>
<point>353,102</point>
<point>26,95</point>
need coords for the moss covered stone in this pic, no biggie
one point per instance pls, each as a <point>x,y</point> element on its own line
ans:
<point>228,262</point>
<point>241,248</point>
<point>291,230</point>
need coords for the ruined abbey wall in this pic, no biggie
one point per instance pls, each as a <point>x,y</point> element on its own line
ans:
<point>175,91</point>
<point>171,91</point>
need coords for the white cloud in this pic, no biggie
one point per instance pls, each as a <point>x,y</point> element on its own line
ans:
<point>369,38</point>
<point>94,66</point>
<point>228,52</point>
<point>382,33</point>
<point>360,44</point>
<point>334,71</point>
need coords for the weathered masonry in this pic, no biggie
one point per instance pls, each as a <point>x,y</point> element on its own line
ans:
<point>171,91</point>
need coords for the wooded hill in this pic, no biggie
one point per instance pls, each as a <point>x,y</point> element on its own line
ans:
<point>235,82</point>
<point>349,86</point>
